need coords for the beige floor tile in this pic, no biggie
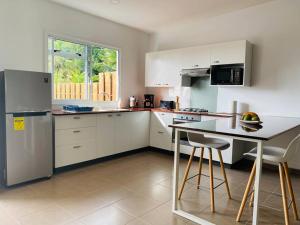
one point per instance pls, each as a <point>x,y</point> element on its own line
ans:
<point>136,189</point>
<point>163,215</point>
<point>107,216</point>
<point>6,219</point>
<point>138,222</point>
<point>137,205</point>
<point>52,215</point>
<point>156,192</point>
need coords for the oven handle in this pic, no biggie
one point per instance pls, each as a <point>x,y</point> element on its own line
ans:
<point>177,121</point>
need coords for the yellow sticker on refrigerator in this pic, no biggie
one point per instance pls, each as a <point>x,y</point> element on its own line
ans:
<point>19,123</point>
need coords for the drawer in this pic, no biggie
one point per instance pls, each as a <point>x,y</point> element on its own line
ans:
<point>75,121</point>
<point>76,153</point>
<point>161,139</point>
<point>71,136</point>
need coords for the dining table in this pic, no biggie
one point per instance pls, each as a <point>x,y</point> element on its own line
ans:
<point>269,128</point>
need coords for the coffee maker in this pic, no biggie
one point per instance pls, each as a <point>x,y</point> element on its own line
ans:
<point>149,101</point>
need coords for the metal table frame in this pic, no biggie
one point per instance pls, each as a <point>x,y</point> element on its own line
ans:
<point>176,176</point>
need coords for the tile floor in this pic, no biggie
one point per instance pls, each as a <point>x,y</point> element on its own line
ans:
<point>133,190</point>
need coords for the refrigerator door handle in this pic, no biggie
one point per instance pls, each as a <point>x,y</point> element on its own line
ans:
<point>29,114</point>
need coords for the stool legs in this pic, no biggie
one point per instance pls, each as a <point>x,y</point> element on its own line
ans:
<point>224,173</point>
<point>200,167</point>
<point>211,176</point>
<point>248,187</point>
<point>284,197</point>
<point>291,191</point>
<point>187,172</point>
<point>251,199</point>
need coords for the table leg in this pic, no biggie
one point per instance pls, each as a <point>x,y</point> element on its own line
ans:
<point>176,169</point>
<point>257,183</point>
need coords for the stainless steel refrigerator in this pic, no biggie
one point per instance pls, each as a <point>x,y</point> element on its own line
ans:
<point>25,126</point>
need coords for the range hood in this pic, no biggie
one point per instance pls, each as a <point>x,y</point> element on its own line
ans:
<point>188,74</point>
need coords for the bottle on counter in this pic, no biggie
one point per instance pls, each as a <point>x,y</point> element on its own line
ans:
<point>132,102</point>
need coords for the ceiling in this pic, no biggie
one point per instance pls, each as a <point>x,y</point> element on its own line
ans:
<point>154,15</point>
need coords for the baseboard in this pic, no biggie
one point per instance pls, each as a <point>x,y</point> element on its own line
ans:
<point>98,160</point>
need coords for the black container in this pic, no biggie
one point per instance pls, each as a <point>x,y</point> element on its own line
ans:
<point>149,101</point>
<point>166,104</point>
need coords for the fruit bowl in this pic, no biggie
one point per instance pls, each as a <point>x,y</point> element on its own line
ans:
<point>251,122</point>
<point>250,118</point>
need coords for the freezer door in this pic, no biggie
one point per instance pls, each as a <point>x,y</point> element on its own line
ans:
<point>28,147</point>
<point>27,91</point>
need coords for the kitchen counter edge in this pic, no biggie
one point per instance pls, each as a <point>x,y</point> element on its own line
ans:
<point>64,113</point>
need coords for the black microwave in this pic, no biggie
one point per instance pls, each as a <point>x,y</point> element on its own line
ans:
<point>228,74</point>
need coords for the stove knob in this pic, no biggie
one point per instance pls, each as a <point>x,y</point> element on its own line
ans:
<point>186,118</point>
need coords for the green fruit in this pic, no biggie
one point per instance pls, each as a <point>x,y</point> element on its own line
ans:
<point>248,117</point>
<point>255,118</point>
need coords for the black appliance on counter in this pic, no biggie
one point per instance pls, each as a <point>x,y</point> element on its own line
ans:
<point>166,104</point>
<point>229,74</point>
<point>149,101</point>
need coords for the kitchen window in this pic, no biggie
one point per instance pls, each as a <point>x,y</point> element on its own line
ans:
<point>82,72</point>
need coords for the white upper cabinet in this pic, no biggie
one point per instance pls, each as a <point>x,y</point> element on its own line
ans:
<point>228,53</point>
<point>196,57</point>
<point>163,67</point>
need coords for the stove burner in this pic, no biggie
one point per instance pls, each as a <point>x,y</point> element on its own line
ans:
<point>193,110</point>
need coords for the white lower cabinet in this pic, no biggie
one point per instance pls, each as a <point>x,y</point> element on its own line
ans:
<point>75,139</point>
<point>103,135</point>
<point>160,133</point>
<point>120,132</point>
<point>75,153</point>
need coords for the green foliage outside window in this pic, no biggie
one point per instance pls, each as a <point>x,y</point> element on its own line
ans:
<point>72,69</point>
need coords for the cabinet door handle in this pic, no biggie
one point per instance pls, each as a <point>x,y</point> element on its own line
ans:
<point>76,131</point>
<point>77,146</point>
<point>161,132</point>
<point>217,61</point>
<point>166,84</point>
<point>76,117</point>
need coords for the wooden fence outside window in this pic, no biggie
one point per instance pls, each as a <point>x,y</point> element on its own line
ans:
<point>103,90</point>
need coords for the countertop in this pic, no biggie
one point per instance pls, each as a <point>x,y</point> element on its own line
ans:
<point>63,113</point>
<point>271,127</point>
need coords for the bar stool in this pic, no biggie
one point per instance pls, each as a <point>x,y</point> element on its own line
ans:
<point>279,156</point>
<point>199,141</point>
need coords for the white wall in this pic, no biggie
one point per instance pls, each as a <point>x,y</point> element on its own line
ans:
<point>274,29</point>
<point>24,24</point>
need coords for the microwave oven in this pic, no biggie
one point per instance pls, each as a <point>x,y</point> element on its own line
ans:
<point>228,74</point>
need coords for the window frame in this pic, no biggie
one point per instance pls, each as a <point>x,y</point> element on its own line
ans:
<point>88,71</point>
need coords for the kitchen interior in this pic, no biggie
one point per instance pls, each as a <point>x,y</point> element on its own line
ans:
<point>119,112</point>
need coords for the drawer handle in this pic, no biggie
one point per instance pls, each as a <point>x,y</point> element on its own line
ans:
<point>76,131</point>
<point>77,146</point>
<point>166,84</point>
<point>118,114</point>
<point>109,115</point>
<point>161,132</point>
<point>217,61</point>
<point>76,117</point>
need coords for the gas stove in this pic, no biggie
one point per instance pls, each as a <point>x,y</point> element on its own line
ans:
<point>195,110</point>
